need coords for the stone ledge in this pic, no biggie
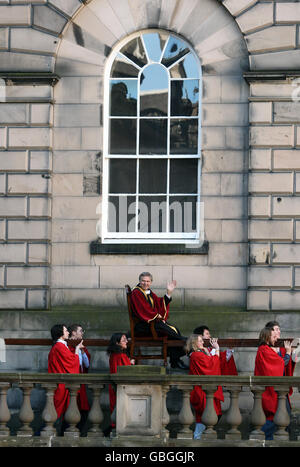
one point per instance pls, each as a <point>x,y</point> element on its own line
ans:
<point>98,248</point>
<point>252,76</point>
<point>19,79</point>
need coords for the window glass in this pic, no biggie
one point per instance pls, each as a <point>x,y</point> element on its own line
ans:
<point>152,176</point>
<point>184,136</point>
<point>123,97</point>
<point>122,176</point>
<point>154,87</point>
<point>152,120</point>
<point>184,176</point>
<point>122,136</point>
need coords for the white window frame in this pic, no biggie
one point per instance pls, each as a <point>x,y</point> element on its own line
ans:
<point>148,237</point>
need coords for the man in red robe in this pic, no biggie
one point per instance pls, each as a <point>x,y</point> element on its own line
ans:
<point>227,362</point>
<point>76,335</point>
<point>62,360</point>
<point>147,306</point>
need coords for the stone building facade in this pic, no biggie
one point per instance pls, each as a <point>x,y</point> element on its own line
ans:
<point>52,70</point>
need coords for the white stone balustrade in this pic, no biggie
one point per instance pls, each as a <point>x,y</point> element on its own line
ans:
<point>139,391</point>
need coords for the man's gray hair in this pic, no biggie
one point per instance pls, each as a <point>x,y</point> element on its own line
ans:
<point>145,274</point>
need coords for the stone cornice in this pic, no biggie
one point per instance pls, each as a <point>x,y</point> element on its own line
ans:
<point>281,75</point>
<point>20,79</point>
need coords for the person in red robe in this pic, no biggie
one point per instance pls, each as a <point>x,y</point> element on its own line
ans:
<point>118,356</point>
<point>289,361</point>
<point>203,363</point>
<point>76,335</point>
<point>227,362</point>
<point>147,306</point>
<point>62,360</point>
<point>269,363</point>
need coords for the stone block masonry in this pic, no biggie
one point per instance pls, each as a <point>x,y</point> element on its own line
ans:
<point>25,194</point>
<point>274,203</point>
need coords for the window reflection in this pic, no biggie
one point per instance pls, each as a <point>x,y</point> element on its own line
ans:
<point>184,97</point>
<point>186,68</point>
<point>184,136</point>
<point>154,83</point>
<point>121,68</point>
<point>154,44</point>
<point>123,97</point>
<point>134,50</point>
<point>174,51</point>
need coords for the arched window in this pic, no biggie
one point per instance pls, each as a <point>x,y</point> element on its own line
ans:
<point>151,169</point>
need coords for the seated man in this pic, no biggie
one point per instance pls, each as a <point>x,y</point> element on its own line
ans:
<point>227,362</point>
<point>147,306</point>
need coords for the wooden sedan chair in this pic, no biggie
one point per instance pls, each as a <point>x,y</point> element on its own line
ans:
<point>137,343</point>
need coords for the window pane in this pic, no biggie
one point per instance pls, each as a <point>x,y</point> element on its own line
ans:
<point>123,136</point>
<point>174,51</point>
<point>184,176</point>
<point>154,44</point>
<point>183,213</point>
<point>122,176</point>
<point>121,68</point>
<point>184,136</point>
<point>121,214</point>
<point>153,136</point>
<point>152,214</point>
<point>186,68</point>
<point>154,85</point>
<point>153,176</point>
<point>184,97</point>
<point>134,50</point>
<point>123,97</point>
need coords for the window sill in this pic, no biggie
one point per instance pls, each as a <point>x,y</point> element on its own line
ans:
<point>98,248</point>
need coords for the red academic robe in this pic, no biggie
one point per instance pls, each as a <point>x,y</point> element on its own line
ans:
<point>203,364</point>
<point>227,367</point>
<point>146,311</point>
<point>115,360</point>
<point>82,400</point>
<point>269,363</point>
<point>62,360</point>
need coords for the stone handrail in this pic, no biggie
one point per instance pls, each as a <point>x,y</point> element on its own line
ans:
<point>96,382</point>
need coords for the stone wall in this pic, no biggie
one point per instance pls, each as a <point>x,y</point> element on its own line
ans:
<point>274,202</point>
<point>51,153</point>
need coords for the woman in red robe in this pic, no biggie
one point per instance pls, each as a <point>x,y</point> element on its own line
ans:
<point>117,351</point>
<point>62,360</point>
<point>202,363</point>
<point>269,363</point>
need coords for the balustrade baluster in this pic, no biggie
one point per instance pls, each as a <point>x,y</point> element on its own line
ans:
<point>72,415</point>
<point>186,416</point>
<point>258,417</point>
<point>209,417</point>
<point>95,414</point>
<point>281,417</point>
<point>165,414</point>
<point>233,416</point>
<point>49,414</point>
<point>4,411</point>
<point>26,414</point>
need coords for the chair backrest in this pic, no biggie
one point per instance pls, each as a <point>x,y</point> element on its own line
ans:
<point>133,318</point>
